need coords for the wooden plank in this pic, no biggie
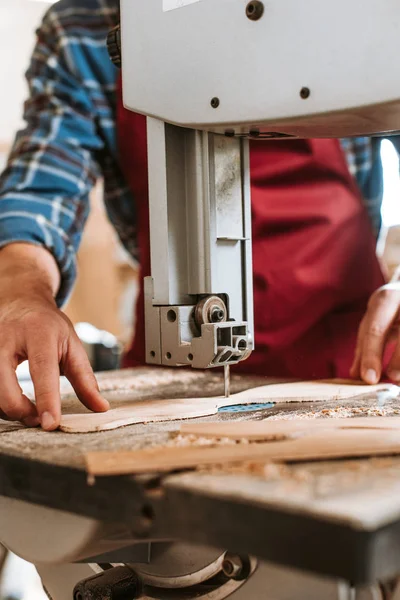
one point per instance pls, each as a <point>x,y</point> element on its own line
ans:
<point>146,411</point>
<point>268,429</point>
<point>307,391</point>
<point>326,444</point>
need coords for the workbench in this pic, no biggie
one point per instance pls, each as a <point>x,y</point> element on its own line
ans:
<point>339,518</point>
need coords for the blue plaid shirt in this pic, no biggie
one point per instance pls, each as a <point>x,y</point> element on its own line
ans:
<point>70,141</point>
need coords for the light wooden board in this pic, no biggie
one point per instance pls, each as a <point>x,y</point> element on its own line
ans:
<point>151,411</point>
<point>267,429</point>
<point>322,445</point>
<point>146,411</point>
<point>308,391</point>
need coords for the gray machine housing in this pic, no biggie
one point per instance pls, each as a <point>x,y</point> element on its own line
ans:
<point>198,301</point>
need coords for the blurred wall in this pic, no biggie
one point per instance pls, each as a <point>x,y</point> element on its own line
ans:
<point>18,21</point>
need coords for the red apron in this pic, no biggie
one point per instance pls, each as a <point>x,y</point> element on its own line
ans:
<point>313,253</point>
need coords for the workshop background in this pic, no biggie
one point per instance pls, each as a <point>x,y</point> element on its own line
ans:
<point>109,308</point>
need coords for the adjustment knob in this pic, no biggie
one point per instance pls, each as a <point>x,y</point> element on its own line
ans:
<point>114,46</point>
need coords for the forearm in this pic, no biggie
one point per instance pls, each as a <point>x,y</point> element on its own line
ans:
<point>44,191</point>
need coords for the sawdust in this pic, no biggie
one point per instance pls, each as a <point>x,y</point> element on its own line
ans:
<point>338,412</point>
<point>184,441</point>
<point>323,484</point>
<point>190,439</point>
<point>137,380</point>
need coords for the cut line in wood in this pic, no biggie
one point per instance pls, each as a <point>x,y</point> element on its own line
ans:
<point>152,411</point>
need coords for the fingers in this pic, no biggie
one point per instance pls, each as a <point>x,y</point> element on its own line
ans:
<point>373,346</point>
<point>45,372</point>
<point>14,406</point>
<point>33,329</point>
<point>381,315</point>
<point>393,369</point>
<point>44,357</point>
<point>77,369</point>
<point>355,367</point>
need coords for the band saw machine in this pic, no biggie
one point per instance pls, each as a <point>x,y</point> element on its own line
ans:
<point>210,75</point>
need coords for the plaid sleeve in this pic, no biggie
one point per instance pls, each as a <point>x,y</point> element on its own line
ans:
<point>44,190</point>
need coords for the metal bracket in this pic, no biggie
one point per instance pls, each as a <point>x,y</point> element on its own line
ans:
<point>200,233</point>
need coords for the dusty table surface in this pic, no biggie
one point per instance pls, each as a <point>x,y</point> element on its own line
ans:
<point>120,387</point>
<point>351,505</point>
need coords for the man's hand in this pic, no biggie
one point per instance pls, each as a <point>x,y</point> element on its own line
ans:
<point>379,326</point>
<point>32,328</point>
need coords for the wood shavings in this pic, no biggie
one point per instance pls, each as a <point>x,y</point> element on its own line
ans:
<point>159,378</point>
<point>184,441</point>
<point>341,412</point>
<point>137,380</point>
<point>189,440</point>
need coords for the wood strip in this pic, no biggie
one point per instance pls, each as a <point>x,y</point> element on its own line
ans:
<point>267,429</point>
<point>323,390</point>
<point>151,411</point>
<point>337,443</point>
<point>147,411</point>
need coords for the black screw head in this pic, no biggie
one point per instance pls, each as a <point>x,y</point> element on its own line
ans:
<point>305,93</point>
<point>215,102</point>
<point>254,10</point>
